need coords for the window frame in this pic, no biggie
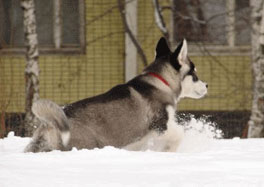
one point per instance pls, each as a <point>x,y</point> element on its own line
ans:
<point>58,47</point>
<point>205,49</point>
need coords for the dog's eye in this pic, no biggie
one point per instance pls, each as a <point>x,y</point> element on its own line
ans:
<point>195,78</point>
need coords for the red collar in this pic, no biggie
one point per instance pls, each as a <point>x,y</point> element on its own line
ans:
<point>159,77</point>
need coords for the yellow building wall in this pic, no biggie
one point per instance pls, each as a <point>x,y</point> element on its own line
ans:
<point>228,77</point>
<point>67,78</point>
<point>229,81</point>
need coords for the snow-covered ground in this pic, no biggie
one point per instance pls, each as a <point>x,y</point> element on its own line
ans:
<point>199,161</point>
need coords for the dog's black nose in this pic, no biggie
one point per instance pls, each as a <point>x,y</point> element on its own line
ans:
<point>206,85</point>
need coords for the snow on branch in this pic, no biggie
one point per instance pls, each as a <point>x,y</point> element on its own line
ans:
<point>129,32</point>
<point>202,22</point>
<point>160,19</point>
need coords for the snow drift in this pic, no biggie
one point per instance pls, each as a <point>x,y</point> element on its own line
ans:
<point>201,160</point>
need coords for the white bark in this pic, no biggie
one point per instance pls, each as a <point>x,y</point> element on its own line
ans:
<point>128,31</point>
<point>160,20</point>
<point>32,68</point>
<point>57,26</point>
<point>256,122</point>
<point>131,50</point>
<point>158,17</point>
<point>230,19</point>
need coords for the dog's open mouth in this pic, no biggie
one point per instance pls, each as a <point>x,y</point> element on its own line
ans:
<point>200,94</point>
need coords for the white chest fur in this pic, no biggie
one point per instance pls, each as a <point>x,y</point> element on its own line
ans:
<point>167,141</point>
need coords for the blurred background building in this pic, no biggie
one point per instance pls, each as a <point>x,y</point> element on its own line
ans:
<point>93,52</point>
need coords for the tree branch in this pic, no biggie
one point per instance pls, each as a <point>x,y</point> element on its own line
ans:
<point>130,34</point>
<point>202,22</point>
<point>160,20</point>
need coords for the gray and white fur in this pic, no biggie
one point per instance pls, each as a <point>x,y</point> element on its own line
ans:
<point>126,115</point>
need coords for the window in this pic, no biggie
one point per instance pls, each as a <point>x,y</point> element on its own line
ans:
<point>218,22</point>
<point>60,26</point>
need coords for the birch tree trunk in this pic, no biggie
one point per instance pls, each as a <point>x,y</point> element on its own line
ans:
<point>256,122</point>
<point>32,68</point>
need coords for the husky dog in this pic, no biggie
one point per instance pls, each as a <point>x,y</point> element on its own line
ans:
<point>125,115</point>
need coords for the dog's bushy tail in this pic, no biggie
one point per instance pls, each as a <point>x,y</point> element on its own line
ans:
<point>54,130</point>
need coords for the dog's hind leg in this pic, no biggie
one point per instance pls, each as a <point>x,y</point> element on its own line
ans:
<point>54,130</point>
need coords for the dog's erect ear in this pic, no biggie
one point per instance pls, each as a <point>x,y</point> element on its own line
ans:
<point>162,48</point>
<point>179,56</point>
<point>182,51</point>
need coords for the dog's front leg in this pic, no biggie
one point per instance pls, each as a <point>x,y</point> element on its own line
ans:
<point>143,144</point>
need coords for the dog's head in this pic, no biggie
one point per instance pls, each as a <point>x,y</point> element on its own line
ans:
<point>184,69</point>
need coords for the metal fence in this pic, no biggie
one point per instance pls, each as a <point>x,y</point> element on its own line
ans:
<point>94,61</point>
